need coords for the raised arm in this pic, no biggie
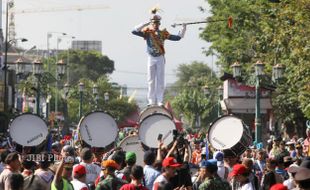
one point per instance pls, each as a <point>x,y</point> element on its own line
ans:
<point>137,31</point>
<point>179,36</point>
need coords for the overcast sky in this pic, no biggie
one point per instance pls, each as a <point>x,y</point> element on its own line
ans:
<point>112,24</point>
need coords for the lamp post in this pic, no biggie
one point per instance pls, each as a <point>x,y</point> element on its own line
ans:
<point>220,94</point>
<point>60,71</point>
<point>106,97</point>
<point>49,35</point>
<point>81,89</point>
<point>95,92</point>
<point>5,68</point>
<point>259,72</point>
<point>37,71</point>
<point>48,98</point>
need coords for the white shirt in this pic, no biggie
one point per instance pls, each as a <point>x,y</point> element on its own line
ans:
<point>92,172</point>
<point>247,186</point>
<point>78,185</point>
<point>158,180</point>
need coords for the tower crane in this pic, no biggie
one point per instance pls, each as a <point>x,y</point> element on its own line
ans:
<point>13,11</point>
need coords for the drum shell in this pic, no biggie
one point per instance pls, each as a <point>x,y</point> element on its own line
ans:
<point>28,130</point>
<point>153,110</point>
<point>239,147</point>
<point>153,125</point>
<point>97,130</point>
<point>132,144</point>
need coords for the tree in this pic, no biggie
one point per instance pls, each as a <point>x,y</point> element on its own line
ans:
<point>187,94</point>
<point>274,33</point>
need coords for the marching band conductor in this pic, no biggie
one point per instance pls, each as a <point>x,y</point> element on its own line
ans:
<point>156,55</point>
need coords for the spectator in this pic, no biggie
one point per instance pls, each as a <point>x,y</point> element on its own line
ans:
<point>248,163</point>
<point>222,170</point>
<point>92,170</point>
<point>150,174</point>
<point>212,182</point>
<point>13,166</point>
<point>260,164</point>
<point>63,174</point>
<point>201,176</point>
<point>169,169</point>
<point>306,144</point>
<point>136,179</point>
<point>44,172</point>
<point>241,175</point>
<point>79,178</point>
<point>31,181</point>
<point>16,181</point>
<point>130,161</point>
<point>110,182</point>
<point>270,177</point>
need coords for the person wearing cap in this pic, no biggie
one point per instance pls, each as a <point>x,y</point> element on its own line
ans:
<point>290,182</point>
<point>240,174</point>
<point>201,176</point>
<point>130,161</point>
<point>222,170</point>
<point>92,170</point>
<point>150,173</point>
<point>306,143</point>
<point>13,166</point>
<point>212,181</point>
<point>79,178</point>
<point>275,147</point>
<point>260,164</point>
<point>110,181</point>
<point>63,174</point>
<point>299,153</point>
<point>302,175</point>
<point>169,169</point>
<point>156,55</point>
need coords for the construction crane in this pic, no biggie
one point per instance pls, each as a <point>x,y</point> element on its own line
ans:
<point>13,11</point>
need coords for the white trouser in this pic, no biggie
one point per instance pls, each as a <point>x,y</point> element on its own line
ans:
<point>156,79</point>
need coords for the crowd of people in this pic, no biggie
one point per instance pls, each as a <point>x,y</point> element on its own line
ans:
<point>189,163</point>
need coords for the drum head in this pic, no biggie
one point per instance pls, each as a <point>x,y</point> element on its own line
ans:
<point>225,132</point>
<point>98,129</point>
<point>28,130</point>
<point>154,109</point>
<point>132,144</point>
<point>154,125</point>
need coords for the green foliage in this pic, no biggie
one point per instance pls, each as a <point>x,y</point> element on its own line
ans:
<point>273,33</point>
<point>187,94</point>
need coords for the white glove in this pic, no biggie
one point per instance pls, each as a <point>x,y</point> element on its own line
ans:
<point>182,32</point>
<point>141,26</point>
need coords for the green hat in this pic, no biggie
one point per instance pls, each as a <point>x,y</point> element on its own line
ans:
<point>131,156</point>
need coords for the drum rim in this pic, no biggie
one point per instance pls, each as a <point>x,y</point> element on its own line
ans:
<point>211,124</point>
<point>92,112</point>
<point>151,116</point>
<point>153,106</point>
<point>127,138</point>
<point>28,113</point>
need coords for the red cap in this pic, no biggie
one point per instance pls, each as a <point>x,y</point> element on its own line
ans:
<point>79,169</point>
<point>278,186</point>
<point>170,162</point>
<point>238,169</point>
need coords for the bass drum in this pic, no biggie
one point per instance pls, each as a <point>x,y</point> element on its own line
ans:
<point>132,144</point>
<point>28,130</point>
<point>153,110</point>
<point>153,125</point>
<point>98,129</point>
<point>230,135</point>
